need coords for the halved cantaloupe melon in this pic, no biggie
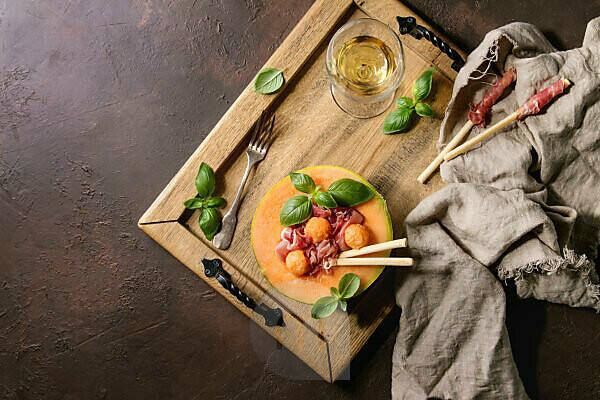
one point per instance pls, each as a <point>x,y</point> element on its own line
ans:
<point>266,231</point>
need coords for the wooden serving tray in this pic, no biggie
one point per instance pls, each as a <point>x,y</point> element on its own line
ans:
<point>310,130</point>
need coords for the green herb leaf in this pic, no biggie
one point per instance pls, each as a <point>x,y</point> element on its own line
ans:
<point>324,307</point>
<point>397,121</point>
<point>405,102</point>
<point>343,304</point>
<point>295,211</point>
<point>214,202</point>
<point>268,80</point>
<point>194,203</point>
<point>205,181</point>
<point>210,222</point>
<point>349,285</point>
<point>422,85</point>
<point>302,182</point>
<point>325,200</point>
<point>349,193</point>
<point>423,110</point>
<point>335,292</point>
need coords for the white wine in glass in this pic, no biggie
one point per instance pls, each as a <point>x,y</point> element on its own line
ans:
<point>365,64</point>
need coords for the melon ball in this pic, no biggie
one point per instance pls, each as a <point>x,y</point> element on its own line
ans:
<point>317,229</point>
<point>297,263</point>
<point>356,236</point>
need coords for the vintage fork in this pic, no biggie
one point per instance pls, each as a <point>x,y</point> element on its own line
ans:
<point>256,151</point>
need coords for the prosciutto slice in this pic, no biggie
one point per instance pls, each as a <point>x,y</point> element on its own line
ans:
<point>344,217</point>
<point>319,255</point>
<point>539,100</point>
<point>292,238</point>
<point>478,112</point>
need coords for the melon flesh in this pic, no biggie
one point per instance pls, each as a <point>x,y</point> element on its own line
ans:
<point>266,231</point>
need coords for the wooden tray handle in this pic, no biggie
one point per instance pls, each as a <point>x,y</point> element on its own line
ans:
<point>214,269</point>
<point>408,25</point>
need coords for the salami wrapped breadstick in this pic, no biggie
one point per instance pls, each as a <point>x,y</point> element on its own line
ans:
<point>478,112</point>
<point>477,116</point>
<point>539,100</point>
<point>531,107</point>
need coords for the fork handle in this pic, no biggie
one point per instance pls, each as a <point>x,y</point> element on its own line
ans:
<point>223,239</point>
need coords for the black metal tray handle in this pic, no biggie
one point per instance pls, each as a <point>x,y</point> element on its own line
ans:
<point>408,25</point>
<point>214,269</point>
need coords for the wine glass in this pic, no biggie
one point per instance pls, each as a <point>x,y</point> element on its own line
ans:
<point>365,64</point>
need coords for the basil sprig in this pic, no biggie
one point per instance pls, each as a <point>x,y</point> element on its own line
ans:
<point>303,182</point>
<point>299,208</point>
<point>210,219</point>
<point>399,119</point>
<point>347,288</point>
<point>295,211</point>
<point>325,200</point>
<point>422,85</point>
<point>349,193</point>
<point>205,181</point>
<point>423,110</point>
<point>268,80</point>
<point>210,202</point>
<point>210,222</point>
<point>344,192</point>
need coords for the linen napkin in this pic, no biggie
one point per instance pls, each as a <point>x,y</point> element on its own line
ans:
<point>523,206</point>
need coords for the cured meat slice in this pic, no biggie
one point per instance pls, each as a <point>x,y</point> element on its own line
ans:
<point>539,100</point>
<point>478,112</point>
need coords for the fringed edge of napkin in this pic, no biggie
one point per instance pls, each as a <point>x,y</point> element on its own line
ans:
<point>570,261</point>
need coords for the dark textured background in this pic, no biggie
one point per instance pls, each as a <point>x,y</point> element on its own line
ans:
<point>100,104</point>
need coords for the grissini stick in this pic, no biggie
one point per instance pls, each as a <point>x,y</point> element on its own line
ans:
<point>456,140</point>
<point>469,144</point>
<point>374,248</point>
<point>476,115</point>
<point>385,261</point>
<point>531,107</point>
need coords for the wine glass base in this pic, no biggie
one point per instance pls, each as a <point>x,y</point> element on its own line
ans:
<point>361,106</point>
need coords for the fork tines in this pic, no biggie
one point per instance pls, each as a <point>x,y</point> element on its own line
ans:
<point>261,135</point>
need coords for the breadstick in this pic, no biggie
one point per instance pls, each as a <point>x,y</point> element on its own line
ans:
<point>531,107</point>
<point>477,115</point>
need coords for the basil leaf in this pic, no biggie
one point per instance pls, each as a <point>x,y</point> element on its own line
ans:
<point>324,307</point>
<point>343,304</point>
<point>296,210</point>
<point>349,193</point>
<point>335,292</point>
<point>397,121</point>
<point>302,182</point>
<point>405,102</point>
<point>268,80</point>
<point>205,181</point>
<point>423,110</point>
<point>422,85</point>
<point>215,202</point>
<point>325,200</point>
<point>194,203</point>
<point>210,222</point>
<point>348,285</point>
